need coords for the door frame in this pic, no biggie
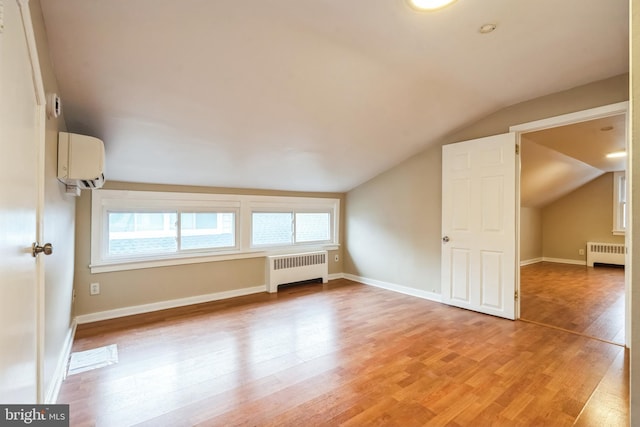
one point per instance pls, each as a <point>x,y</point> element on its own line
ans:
<point>41,118</point>
<point>568,119</point>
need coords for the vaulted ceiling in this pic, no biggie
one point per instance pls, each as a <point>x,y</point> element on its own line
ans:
<point>556,161</point>
<point>308,95</point>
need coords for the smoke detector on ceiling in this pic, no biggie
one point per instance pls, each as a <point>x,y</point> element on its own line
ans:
<point>487,28</point>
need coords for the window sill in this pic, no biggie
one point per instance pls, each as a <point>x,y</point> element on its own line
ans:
<point>123,265</point>
<point>617,233</point>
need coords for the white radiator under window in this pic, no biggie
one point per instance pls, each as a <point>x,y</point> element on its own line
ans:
<point>283,269</point>
<point>605,253</point>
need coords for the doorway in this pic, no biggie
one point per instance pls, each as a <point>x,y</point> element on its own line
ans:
<point>567,199</point>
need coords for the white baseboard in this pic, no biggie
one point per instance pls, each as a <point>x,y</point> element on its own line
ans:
<point>163,305</point>
<point>336,276</point>
<point>431,296</point>
<point>564,261</point>
<point>530,261</point>
<point>60,372</point>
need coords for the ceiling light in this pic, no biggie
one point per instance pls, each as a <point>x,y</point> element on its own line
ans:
<point>616,154</point>
<point>429,4</point>
<point>487,28</point>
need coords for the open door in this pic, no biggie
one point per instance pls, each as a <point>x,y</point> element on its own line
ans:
<point>479,225</point>
<point>21,201</point>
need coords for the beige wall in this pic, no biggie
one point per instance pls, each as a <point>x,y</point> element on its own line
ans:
<point>584,215</point>
<point>393,221</point>
<point>144,286</point>
<point>59,213</point>
<point>530,234</point>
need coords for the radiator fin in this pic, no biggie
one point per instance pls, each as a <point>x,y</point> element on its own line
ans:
<point>295,261</point>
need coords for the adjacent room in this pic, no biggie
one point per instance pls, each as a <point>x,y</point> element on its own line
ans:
<point>573,214</point>
<point>383,212</point>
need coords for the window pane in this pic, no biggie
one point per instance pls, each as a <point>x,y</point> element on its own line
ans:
<point>121,222</point>
<point>133,233</point>
<point>313,227</point>
<point>202,230</point>
<point>272,228</point>
<point>188,220</point>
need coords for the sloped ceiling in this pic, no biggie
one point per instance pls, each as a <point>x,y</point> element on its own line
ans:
<point>308,95</point>
<point>556,161</point>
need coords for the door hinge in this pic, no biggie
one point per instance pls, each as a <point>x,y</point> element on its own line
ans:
<point>515,295</point>
<point>517,148</point>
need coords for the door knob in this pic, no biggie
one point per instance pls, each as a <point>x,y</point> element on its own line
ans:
<point>445,239</point>
<point>46,249</point>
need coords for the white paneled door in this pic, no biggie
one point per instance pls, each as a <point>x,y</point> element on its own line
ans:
<point>479,225</point>
<point>21,169</point>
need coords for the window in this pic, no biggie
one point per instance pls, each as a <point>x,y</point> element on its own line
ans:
<point>140,233</point>
<point>141,229</point>
<point>290,228</point>
<point>136,233</point>
<point>271,228</point>
<point>619,203</point>
<point>313,227</point>
<point>201,230</point>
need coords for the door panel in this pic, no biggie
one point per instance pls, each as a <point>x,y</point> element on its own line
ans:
<point>460,275</point>
<point>478,225</point>
<point>19,181</point>
<point>491,286</point>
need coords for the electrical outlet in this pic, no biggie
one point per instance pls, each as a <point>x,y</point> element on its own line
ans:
<point>580,251</point>
<point>336,258</point>
<point>94,288</point>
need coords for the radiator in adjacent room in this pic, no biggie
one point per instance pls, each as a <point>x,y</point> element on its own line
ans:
<point>282,269</point>
<point>605,253</point>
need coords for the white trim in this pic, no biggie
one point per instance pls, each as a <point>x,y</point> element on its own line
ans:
<point>38,85</point>
<point>163,305</point>
<point>619,212</point>
<point>571,118</point>
<point>195,259</point>
<point>33,51</point>
<point>137,265</point>
<point>431,296</point>
<point>530,261</point>
<point>564,261</point>
<point>60,373</point>
<point>578,117</point>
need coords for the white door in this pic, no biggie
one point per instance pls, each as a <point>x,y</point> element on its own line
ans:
<point>479,225</point>
<point>20,178</point>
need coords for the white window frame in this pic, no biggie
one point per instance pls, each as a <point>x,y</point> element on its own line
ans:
<point>103,201</point>
<point>620,190</point>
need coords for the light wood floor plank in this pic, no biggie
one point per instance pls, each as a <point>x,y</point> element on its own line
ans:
<point>586,300</point>
<point>339,354</point>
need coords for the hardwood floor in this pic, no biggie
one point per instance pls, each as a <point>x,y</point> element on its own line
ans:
<point>581,299</point>
<point>341,354</point>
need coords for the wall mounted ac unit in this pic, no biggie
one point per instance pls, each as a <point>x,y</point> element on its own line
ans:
<point>80,162</point>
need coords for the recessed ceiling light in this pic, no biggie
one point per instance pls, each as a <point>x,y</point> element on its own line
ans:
<point>606,128</point>
<point>616,154</point>
<point>487,28</point>
<point>429,4</point>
